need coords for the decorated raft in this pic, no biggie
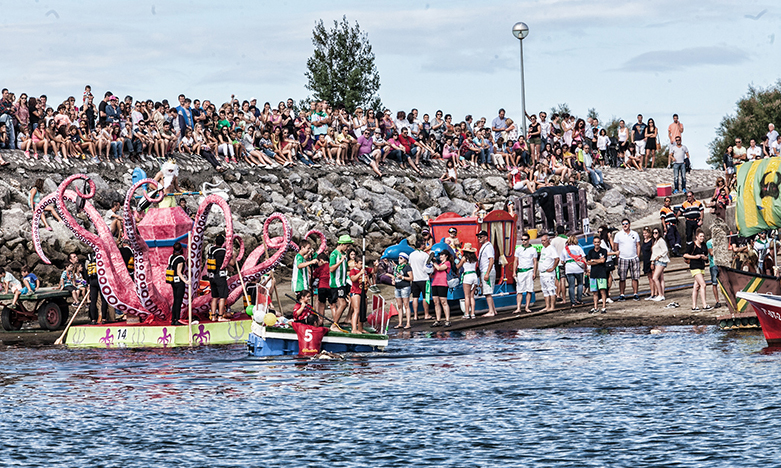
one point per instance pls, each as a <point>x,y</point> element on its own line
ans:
<point>143,297</point>
<point>275,341</point>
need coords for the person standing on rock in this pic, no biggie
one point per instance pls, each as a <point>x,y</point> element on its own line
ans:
<point>340,289</point>
<point>547,265</point>
<point>678,155</point>
<point>417,261</point>
<point>670,224</point>
<point>692,211</point>
<point>674,130</point>
<point>627,243</point>
<point>485,261</point>
<point>638,138</point>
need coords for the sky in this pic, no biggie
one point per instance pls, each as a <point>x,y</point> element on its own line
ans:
<point>694,58</point>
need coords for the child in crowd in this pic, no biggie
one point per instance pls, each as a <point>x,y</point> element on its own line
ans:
<point>303,312</point>
<point>450,174</point>
<point>10,283</point>
<point>30,284</point>
<point>321,281</point>
<point>68,283</point>
<point>453,240</point>
<point>361,279</point>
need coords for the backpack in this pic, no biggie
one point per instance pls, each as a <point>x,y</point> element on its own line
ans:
<point>453,277</point>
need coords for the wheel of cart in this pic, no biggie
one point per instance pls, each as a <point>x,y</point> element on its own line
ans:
<point>11,321</point>
<point>53,315</point>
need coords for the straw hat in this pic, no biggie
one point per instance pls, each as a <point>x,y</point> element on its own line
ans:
<point>468,248</point>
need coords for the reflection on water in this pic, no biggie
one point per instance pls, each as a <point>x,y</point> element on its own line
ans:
<point>686,396</point>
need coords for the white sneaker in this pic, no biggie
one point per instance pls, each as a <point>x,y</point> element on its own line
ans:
<point>650,298</point>
<point>659,298</point>
<point>609,301</point>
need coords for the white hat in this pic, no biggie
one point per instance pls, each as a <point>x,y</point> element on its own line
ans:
<point>404,255</point>
<point>514,171</point>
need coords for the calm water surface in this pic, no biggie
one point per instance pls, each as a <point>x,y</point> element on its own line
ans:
<point>622,397</point>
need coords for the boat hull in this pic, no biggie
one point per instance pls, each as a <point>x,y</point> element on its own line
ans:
<point>268,341</point>
<point>122,335</point>
<point>768,309</point>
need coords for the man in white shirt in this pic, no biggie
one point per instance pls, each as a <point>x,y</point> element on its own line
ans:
<point>525,272</point>
<point>485,261</point>
<point>544,128</point>
<point>558,243</point>
<point>772,134</point>
<point>775,146</point>
<point>417,261</point>
<point>739,151</point>
<point>549,261</point>
<point>627,243</point>
<point>678,155</point>
<point>753,151</point>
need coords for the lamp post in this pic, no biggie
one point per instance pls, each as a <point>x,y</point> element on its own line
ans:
<point>520,30</point>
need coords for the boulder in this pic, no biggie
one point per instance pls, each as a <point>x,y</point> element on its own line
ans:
<point>471,186</point>
<point>638,203</point>
<point>240,190</point>
<point>498,184</point>
<point>242,207</point>
<point>432,187</point>
<point>340,205</point>
<point>361,217</point>
<point>403,218</point>
<point>374,185</point>
<point>612,198</point>
<point>326,188</point>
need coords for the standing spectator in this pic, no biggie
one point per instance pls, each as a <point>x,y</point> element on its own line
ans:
<point>714,273</point>
<point>651,133</point>
<point>638,138</point>
<point>674,130</point>
<point>417,261</point>
<point>739,151</point>
<point>469,278</point>
<point>692,211</point>
<point>627,243</point>
<point>7,114</point>
<point>645,251</point>
<point>574,262</point>
<point>597,258</point>
<point>659,261</point>
<point>485,260</point>
<point>525,273</point>
<point>679,154</point>
<point>697,255</point>
<point>402,280</point>
<point>753,151</point>
<point>670,224</point>
<point>772,134</point>
<point>728,164</point>
<point>498,125</point>
<point>439,287</point>
<point>623,137</point>
<point>547,265</point>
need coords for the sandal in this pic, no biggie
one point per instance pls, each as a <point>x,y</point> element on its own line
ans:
<point>398,326</point>
<point>436,324</point>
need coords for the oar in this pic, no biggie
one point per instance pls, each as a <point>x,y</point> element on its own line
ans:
<point>59,340</point>
<point>190,290</point>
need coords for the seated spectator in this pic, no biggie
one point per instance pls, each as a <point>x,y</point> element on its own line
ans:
<point>364,143</point>
<point>114,220</point>
<point>30,284</point>
<point>450,174</point>
<point>11,285</point>
<point>68,283</point>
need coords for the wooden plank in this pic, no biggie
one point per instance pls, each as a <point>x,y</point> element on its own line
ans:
<point>570,205</point>
<point>43,293</point>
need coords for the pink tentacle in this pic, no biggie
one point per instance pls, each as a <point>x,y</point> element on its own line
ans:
<point>317,233</point>
<point>36,230</point>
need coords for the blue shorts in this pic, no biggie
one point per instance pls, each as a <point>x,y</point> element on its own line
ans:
<point>27,291</point>
<point>402,293</point>
<point>714,273</point>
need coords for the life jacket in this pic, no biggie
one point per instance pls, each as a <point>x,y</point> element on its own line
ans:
<point>170,273</point>
<point>92,265</point>
<point>212,269</point>
<point>131,265</point>
<point>668,216</point>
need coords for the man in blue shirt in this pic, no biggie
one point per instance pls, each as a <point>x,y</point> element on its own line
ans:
<point>499,124</point>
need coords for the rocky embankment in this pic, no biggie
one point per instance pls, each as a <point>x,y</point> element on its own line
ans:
<point>335,200</point>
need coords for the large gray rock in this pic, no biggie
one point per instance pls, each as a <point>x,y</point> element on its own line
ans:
<point>361,217</point>
<point>374,185</point>
<point>326,188</point>
<point>432,187</point>
<point>240,190</point>
<point>100,182</point>
<point>243,207</point>
<point>340,205</point>
<point>13,220</point>
<point>613,198</point>
<point>402,220</point>
<point>497,184</point>
<point>462,207</point>
<point>471,186</point>
<point>381,207</point>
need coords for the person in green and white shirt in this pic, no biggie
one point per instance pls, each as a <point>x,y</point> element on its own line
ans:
<point>301,274</point>
<point>525,272</point>
<point>340,289</point>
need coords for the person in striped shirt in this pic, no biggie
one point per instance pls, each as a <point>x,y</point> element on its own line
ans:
<point>340,289</point>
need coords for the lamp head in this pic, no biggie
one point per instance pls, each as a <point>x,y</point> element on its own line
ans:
<point>520,30</point>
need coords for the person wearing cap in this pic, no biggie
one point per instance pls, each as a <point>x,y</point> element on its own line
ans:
<point>340,289</point>
<point>112,110</point>
<point>546,266</point>
<point>485,259</point>
<point>428,239</point>
<point>402,280</point>
<point>525,271</point>
<point>469,278</point>
<point>418,261</point>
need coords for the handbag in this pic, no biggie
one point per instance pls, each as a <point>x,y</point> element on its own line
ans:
<point>688,165</point>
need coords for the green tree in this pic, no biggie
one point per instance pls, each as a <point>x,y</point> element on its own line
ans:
<point>341,70</point>
<point>560,109</point>
<point>758,108</point>
<point>592,113</point>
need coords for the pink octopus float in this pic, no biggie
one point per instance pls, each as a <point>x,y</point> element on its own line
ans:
<point>146,295</point>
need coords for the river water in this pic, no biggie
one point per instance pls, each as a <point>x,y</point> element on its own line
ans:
<point>586,397</point>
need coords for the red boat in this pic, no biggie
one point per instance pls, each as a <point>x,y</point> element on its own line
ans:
<point>768,308</point>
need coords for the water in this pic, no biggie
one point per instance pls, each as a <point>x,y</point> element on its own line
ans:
<point>686,397</point>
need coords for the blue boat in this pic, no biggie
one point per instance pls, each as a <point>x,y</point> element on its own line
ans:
<point>274,341</point>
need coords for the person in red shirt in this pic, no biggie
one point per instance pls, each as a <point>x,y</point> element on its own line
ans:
<point>361,278</point>
<point>322,275</point>
<point>411,148</point>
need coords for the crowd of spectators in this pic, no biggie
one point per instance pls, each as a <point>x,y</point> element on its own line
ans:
<point>561,149</point>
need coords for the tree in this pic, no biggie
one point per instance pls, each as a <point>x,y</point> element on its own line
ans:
<point>341,70</point>
<point>758,108</point>
<point>593,114</point>
<point>561,109</point>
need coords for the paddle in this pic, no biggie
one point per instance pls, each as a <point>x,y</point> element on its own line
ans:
<point>313,311</point>
<point>190,291</point>
<point>59,340</point>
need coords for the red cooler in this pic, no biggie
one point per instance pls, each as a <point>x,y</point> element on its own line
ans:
<point>664,190</point>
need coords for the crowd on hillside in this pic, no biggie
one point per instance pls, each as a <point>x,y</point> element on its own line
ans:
<point>561,149</point>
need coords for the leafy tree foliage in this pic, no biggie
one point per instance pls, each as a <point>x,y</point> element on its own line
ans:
<point>341,70</point>
<point>757,109</point>
<point>561,109</point>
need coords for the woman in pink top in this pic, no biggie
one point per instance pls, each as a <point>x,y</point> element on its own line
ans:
<point>439,287</point>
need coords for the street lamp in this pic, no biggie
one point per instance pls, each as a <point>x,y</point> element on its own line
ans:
<point>520,30</point>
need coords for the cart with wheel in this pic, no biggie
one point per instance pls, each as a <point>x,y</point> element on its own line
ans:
<point>48,305</point>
